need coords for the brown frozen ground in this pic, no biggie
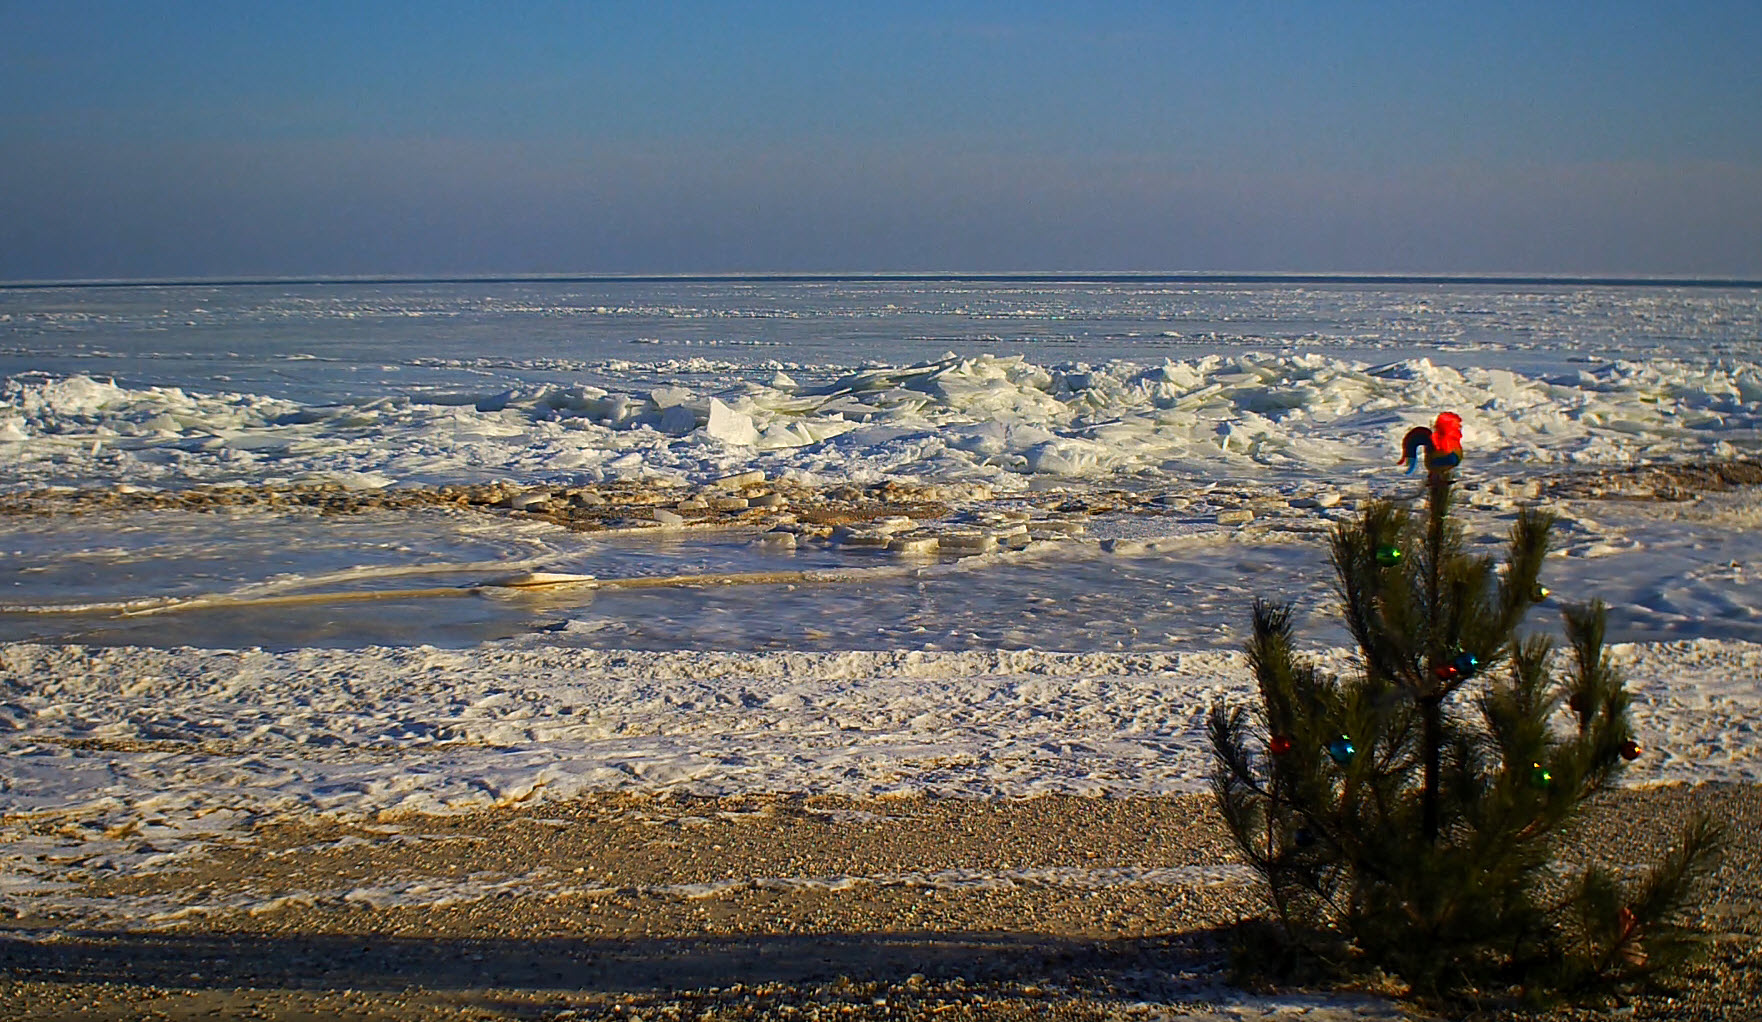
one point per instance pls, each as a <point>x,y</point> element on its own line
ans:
<point>758,503</point>
<point>609,931</point>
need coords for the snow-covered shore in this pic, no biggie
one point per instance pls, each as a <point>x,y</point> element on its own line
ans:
<point>139,755</point>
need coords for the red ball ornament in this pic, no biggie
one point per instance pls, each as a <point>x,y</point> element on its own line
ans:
<point>1630,750</point>
<point>1280,745</point>
<point>1447,672</point>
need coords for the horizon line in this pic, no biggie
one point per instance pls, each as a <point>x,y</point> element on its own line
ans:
<point>910,276</point>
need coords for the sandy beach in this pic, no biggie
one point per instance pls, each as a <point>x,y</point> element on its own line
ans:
<point>628,906</point>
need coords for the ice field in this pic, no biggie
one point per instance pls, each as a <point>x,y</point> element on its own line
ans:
<point>1080,662</point>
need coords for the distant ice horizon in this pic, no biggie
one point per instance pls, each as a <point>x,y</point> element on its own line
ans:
<point>1159,276</point>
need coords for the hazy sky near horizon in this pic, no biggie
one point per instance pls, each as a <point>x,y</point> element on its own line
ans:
<point>174,139</point>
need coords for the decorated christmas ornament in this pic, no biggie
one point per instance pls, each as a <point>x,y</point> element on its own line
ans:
<point>1341,750</point>
<point>1280,745</point>
<point>1631,750</point>
<point>1540,777</point>
<point>1442,443</point>
<point>1466,664</point>
<point>1388,556</point>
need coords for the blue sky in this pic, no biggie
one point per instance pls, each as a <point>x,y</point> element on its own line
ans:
<point>201,139</point>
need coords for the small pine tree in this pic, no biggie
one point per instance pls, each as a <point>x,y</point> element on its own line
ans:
<point>1405,822</point>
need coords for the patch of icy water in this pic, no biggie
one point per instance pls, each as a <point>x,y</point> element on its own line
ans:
<point>1668,571</point>
<point>99,557</point>
<point>105,580</point>
<point>1076,598</point>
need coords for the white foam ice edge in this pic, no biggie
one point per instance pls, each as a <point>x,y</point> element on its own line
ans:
<point>995,419</point>
<point>124,759</point>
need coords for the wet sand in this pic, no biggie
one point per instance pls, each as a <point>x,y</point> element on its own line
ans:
<point>763,907</point>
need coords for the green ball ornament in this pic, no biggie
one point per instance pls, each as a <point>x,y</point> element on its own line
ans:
<point>1341,750</point>
<point>1388,556</point>
<point>1540,593</point>
<point>1541,778</point>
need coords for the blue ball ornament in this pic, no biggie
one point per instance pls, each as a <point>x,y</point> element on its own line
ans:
<point>1466,664</point>
<point>1341,750</point>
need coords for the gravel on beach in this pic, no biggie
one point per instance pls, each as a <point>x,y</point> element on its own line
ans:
<point>787,907</point>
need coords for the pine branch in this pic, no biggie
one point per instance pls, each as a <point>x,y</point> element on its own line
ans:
<point>1691,861</point>
<point>1530,536</point>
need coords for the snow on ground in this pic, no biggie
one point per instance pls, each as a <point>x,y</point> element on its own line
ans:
<point>139,755</point>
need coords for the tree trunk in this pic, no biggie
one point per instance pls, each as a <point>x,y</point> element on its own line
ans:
<point>1431,711</point>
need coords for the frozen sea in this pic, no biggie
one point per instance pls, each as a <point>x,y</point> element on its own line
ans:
<point>1084,664</point>
<point>1269,390</point>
